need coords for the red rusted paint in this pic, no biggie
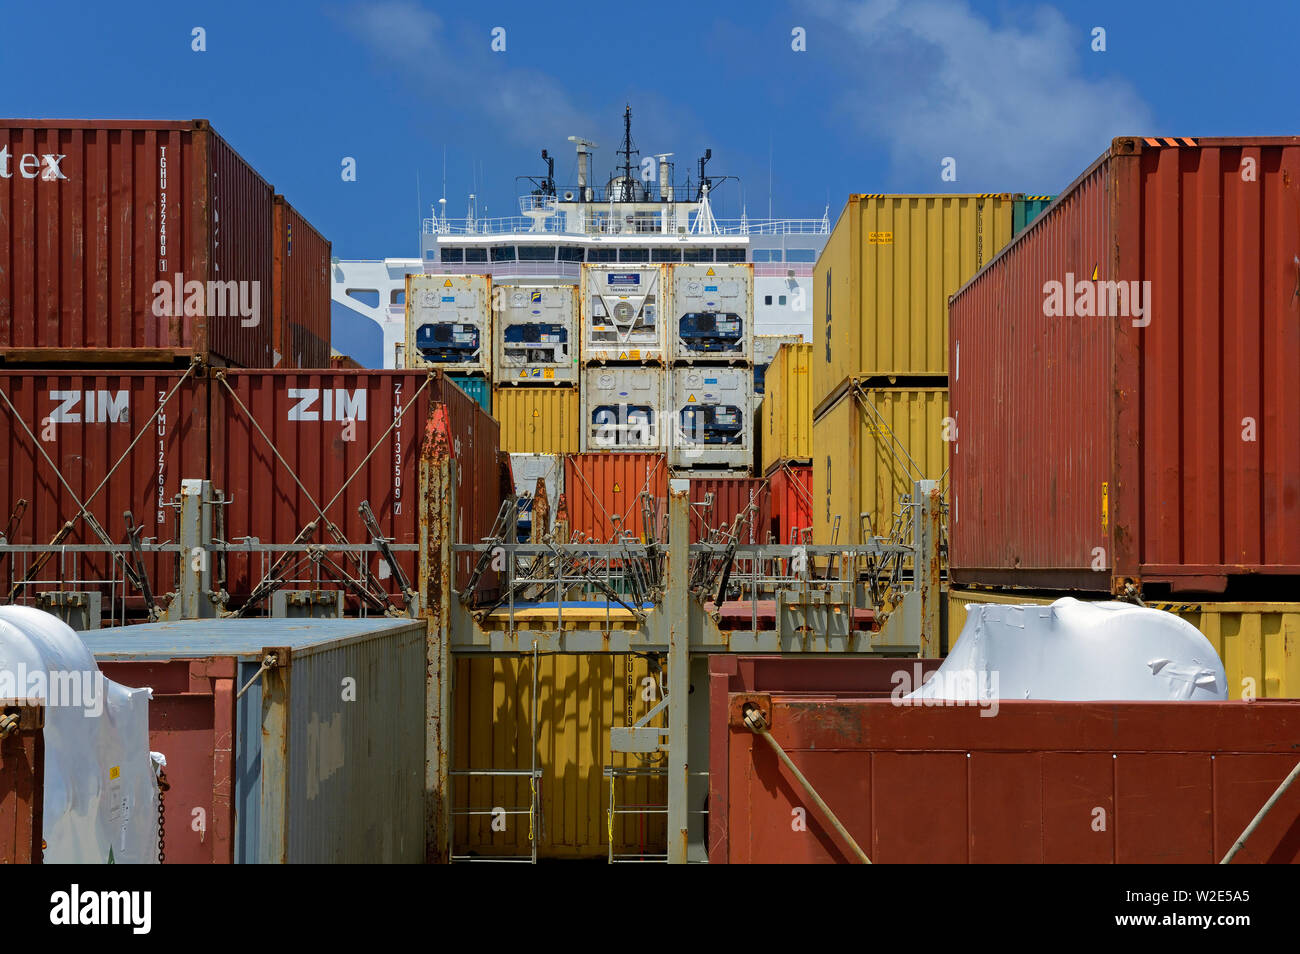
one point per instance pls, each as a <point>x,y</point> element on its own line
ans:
<point>22,787</point>
<point>603,490</point>
<point>191,721</point>
<point>301,309</point>
<point>85,422</point>
<point>1177,781</point>
<point>1191,423</point>
<point>129,204</point>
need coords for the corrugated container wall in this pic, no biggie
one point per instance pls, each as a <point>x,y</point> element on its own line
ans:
<point>1028,208</point>
<point>301,288</point>
<point>308,774</point>
<point>870,448</point>
<point>578,699</point>
<point>1256,641</point>
<point>22,780</point>
<point>603,492</point>
<point>74,427</point>
<point>790,504</point>
<point>476,386</point>
<point>1179,416</point>
<point>787,407</point>
<point>538,420</point>
<point>718,502</point>
<point>881,284</point>
<point>99,213</point>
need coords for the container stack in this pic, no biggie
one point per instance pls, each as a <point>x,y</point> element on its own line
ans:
<point>711,381</point>
<point>879,360</point>
<point>1126,376</point>
<point>449,327</point>
<point>536,368</point>
<point>785,423</point>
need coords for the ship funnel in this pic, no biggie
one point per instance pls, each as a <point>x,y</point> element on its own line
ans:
<point>584,152</point>
<point>665,176</point>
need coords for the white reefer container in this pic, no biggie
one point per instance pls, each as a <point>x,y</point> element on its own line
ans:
<point>710,313</point>
<point>711,413</point>
<point>449,322</point>
<point>535,334</point>
<point>623,409</point>
<point>620,313</point>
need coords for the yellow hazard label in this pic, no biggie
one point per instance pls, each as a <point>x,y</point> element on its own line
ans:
<point>709,272</point>
<point>622,356</point>
<point>114,772</point>
<point>536,413</point>
<point>447,283</point>
<point>617,488</point>
<point>691,399</point>
<point>880,238</point>
<point>636,355</point>
<point>523,373</point>
<point>549,374</point>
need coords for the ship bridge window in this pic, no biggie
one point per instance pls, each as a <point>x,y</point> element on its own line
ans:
<point>767,299</point>
<point>731,255</point>
<point>367,296</point>
<point>476,255</point>
<point>634,254</point>
<point>801,255</point>
<point>695,254</point>
<point>568,254</point>
<point>667,255</point>
<point>397,296</point>
<point>602,255</point>
<point>767,255</point>
<point>503,253</point>
<point>537,253</point>
<point>453,254</point>
<point>431,253</point>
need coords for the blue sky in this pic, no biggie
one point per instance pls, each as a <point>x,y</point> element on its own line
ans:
<point>882,94</point>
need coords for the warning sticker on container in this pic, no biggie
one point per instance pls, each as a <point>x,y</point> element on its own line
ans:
<point>447,283</point>
<point>548,374</point>
<point>710,272</point>
<point>880,238</point>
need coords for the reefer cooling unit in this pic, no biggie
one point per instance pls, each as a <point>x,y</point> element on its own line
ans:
<point>712,412</point>
<point>620,313</point>
<point>449,322</point>
<point>527,469</point>
<point>711,313</point>
<point>622,409</point>
<point>535,330</point>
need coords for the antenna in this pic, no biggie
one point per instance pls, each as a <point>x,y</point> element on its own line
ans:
<point>627,192</point>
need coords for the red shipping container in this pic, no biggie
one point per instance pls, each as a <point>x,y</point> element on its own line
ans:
<point>1178,781</point>
<point>64,435</point>
<point>346,437</point>
<point>603,492</point>
<point>789,504</point>
<point>731,496</point>
<point>22,786</point>
<point>1145,431</point>
<point>301,291</point>
<point>101,217</point>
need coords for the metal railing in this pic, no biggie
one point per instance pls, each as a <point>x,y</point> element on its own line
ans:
<point>598,221</point>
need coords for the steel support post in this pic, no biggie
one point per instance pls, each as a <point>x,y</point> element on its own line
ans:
<point>194,585</point>
<point>273,835</point>
<point>437,491</point>
<point>926,514</point>
<point>674,617</point>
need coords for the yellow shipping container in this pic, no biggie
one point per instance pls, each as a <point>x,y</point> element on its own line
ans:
<point>787,407</point>
<point>881,284</point>
<point>578,699</point>
<point>869,447</point>
<point>537,420</point>
<point>1259,642</point>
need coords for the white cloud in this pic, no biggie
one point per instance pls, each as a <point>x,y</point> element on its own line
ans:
<point>933,78</point>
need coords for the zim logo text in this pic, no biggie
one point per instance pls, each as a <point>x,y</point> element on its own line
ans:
<point>327,404</point>
<point>94,407</point>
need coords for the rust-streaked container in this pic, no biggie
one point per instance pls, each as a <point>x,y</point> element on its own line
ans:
<point>870,447</point>
<point>881,284</point>
<point>538,420</point>
<point>1178,782</point>
<point>731,496</point>
<point>22,785</point>
<point>579,698</point>
<point>602,491</point>
<point>1256,641</point>
<point>787,418</point>
<point>97,233</point>
<point>1163,449</point>
<point>75,427</point>
<point>325,424</point>
<point>301,291</point>
<point>789,504</point>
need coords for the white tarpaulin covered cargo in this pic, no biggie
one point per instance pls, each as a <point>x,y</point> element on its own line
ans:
<point>101,797</point>
<point>1076,651</point>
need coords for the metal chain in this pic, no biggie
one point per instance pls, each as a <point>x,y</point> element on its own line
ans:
<point>162,815</point>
